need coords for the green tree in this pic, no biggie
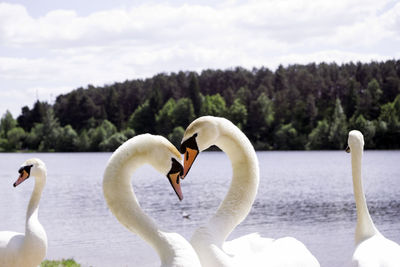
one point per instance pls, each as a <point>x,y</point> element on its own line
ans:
<point>12,137</point>
<point>338,127</point>
<point>229,96</point>
<point>164,118</point>
<point>331,132</point>
<point>311,112</point>
<point>142,119</point>
<point>213,105</point>
<point>351,97</point>
<point>78,108</point>
<point>16,138</point>
<point>44,136</point>
<point>262,102</point>
<point>390,87</point>
<point>113,142</point>
<point>368,128</point>
<point>244,94</point>
<point>388,132</point>
<point>129,133</point>
<point>176,136</point>
<point>280,81</point>
<point>156,100</point>
<point>260,119</point>
<point>237,113</point>
<point>51,130</point>
<point>86,111</point>
<point>3,144</point>
<point>82,143</point>
<point>113,109</point>
<point>368,103</point>
<point>101,133</point>
<point>174,114</point>
<point>35,136</point>
<point>7,123</point>
<point>67,139</point>
<point>286,137</point>
<point>24,119</point>
<point>282,96</point>
<point>318,138</point>
<point>29,117</point>
<point>375,92</point>
<point>194,93</point>
<point>390,113</point>
<point>183,113</point>
<point>266,109</point>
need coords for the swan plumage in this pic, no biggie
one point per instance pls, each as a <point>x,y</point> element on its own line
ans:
<point>27,249</point>
<point>209,239</point>
<point>157,151</point>
<point>372,249</point>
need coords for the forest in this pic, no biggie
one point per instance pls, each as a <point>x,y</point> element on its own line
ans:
<point>298,107</point>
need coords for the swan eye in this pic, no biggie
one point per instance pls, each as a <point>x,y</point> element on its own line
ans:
<point>189,143</point>
<point>26,168</point>
<point>176,168</point>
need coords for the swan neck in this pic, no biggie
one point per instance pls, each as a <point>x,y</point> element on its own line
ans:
<point>33,206</point>
<point>365,227</point>
<point>243,188</point>
<point>122,201</point>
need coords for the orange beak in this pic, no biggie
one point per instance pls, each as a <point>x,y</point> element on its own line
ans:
<point>22,177</point>
<point>190,156</point>
<point>174,177</point>
<point>174,180</point>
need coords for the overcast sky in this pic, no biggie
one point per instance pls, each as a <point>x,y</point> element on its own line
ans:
<point>49,47</point>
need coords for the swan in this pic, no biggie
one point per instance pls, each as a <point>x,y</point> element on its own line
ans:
<point>29,249</point>
<point>172,248</point>
<point>209,240</point>
<point>372,249</point>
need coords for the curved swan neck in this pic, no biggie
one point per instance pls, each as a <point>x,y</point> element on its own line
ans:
<point>245,178</point>
<point>33,206</point>
<point>123,203</point>
<point>35,242</point>
<point>365,227</point>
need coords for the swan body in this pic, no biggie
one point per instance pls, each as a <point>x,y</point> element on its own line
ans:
<point>209,240</point>
<point>372,249</point>
<point>29,249</point>
<point>157,151</point>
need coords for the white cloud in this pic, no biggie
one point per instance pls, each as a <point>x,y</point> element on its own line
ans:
<point>62,49</point>
<point>285,21</point>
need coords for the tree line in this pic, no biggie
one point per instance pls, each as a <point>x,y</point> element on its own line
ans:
<point>297,107</point>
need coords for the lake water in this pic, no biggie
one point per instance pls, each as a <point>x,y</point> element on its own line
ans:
<point>307,195</point>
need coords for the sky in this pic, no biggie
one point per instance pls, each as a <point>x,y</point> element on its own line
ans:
<point>51,47</point>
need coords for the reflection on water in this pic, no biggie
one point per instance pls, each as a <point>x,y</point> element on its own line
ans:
<point>307,195</point>
<point>304,212</point>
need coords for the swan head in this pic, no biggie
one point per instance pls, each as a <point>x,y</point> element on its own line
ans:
<point>355,141</point>
<point>199,135</point>
<point>32,167</point>
<point>165,158</point>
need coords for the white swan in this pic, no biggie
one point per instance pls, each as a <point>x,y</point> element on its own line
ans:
<point>29,249</point>
<point>209,240</point>
<point>157,151</point>
<point>372,249</point>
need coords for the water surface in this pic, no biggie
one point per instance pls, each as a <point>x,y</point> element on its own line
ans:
<point>307,195</point>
